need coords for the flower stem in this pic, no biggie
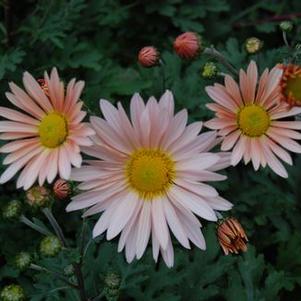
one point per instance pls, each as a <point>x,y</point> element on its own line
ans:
<point>217,55</point>
<point>284,36</point>
<point>77,266</point>
<point>43,269</point>
<point>34,226</point>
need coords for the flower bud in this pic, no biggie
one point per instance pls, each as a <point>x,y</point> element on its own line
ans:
<point>22,261</point>
<point>12,292</point>
<point>209,70</point>
<point>253,45</point>
<point>231,236</point>
<point>112,286</point>
<point>61,189</point>
<point>148,56</point>
<point>50,246</point>
<point>188,45</point>
<point>38,197</point>
<point>69,270</point>
<point>12,210</point>
<point>286,26</point>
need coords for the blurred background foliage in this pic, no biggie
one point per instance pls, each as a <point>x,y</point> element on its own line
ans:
<point>98,41</point>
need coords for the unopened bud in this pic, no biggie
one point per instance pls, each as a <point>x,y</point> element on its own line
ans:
<point>12,292</point>
<point>188,45</point>
<point>148,56</point>
<point>38,197</point>
<point>50,246</point>
<point>286,26</point>
<point>253,45</point>
<point>61,189</point>
<point>12,210</point>
<point>23,261</point>
<point>209,70</point>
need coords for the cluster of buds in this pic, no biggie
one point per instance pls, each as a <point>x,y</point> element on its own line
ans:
<point>187,45</point>
<point>231,236</point>
<point>12,292</point>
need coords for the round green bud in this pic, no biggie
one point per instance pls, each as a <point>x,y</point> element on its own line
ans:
<point>12,292</point>
<point>209,70</point>
<point>12,210</point>
<point>111,294</point>
<point>112,280</point>
<point>23,261</point>
<point>50,246</point>
<point>253,45</point>
<point>69,270</point>
<point>286,26</point>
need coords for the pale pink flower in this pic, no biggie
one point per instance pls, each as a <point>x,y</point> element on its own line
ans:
<point>247,117</point>
<point>47,134</point>
<point>147,177</point>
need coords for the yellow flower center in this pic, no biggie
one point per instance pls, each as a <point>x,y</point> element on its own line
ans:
<point>293,88</point>
<point>53,130</point>
<point>253,120</point>
<point>150,172</point>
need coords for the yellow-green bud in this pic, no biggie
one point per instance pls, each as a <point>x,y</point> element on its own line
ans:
<point>12,210</point>
<point>286,26</point>
<point>23,261</point>
<point>209,70</point>
<point>38,197</point>
<point>50,246</point>
<point>12,292</point>
<point>253,45</point>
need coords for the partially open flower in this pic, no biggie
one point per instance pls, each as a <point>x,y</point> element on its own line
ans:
<point>253,45</point>
<point>61,189</point>
<point>291,84</point>
<point>148,56</point>
<point>188,45</point>
<point>231,236</point>
<point>38,196</point>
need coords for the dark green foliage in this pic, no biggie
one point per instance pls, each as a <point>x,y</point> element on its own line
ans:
<point>98,41</point>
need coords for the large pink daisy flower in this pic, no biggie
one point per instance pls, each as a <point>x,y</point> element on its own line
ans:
<point>148,177</point>
<point>47,134</point>
<point>247,117</point>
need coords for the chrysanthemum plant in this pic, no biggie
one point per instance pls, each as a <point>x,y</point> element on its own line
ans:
<point>146,173</point>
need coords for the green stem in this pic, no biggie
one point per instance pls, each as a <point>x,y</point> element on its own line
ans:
<point>77,266</point>
<point>61,277</point>
<point>34,226</point>
<point>217,55</point>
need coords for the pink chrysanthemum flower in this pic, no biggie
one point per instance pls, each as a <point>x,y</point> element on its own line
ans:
<point>148,177</point>
<point>247,117</point>
<point>47,134</point>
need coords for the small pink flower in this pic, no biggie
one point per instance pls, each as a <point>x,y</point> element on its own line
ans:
<point>148,56</point>
<point>247,117</point>
<point>148,176</point>
<point>47,133</point>
<point>187,45</point>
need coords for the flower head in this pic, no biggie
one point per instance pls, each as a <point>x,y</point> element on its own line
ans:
<point>61,189</point>
<point>148,56</point>
<point>47,134</point>
<point>290,84</point>
<point>232,236</point>
<point>148,177</point>
<point>188,45</point>
<point>247,117</point>
<point>253,45</point>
